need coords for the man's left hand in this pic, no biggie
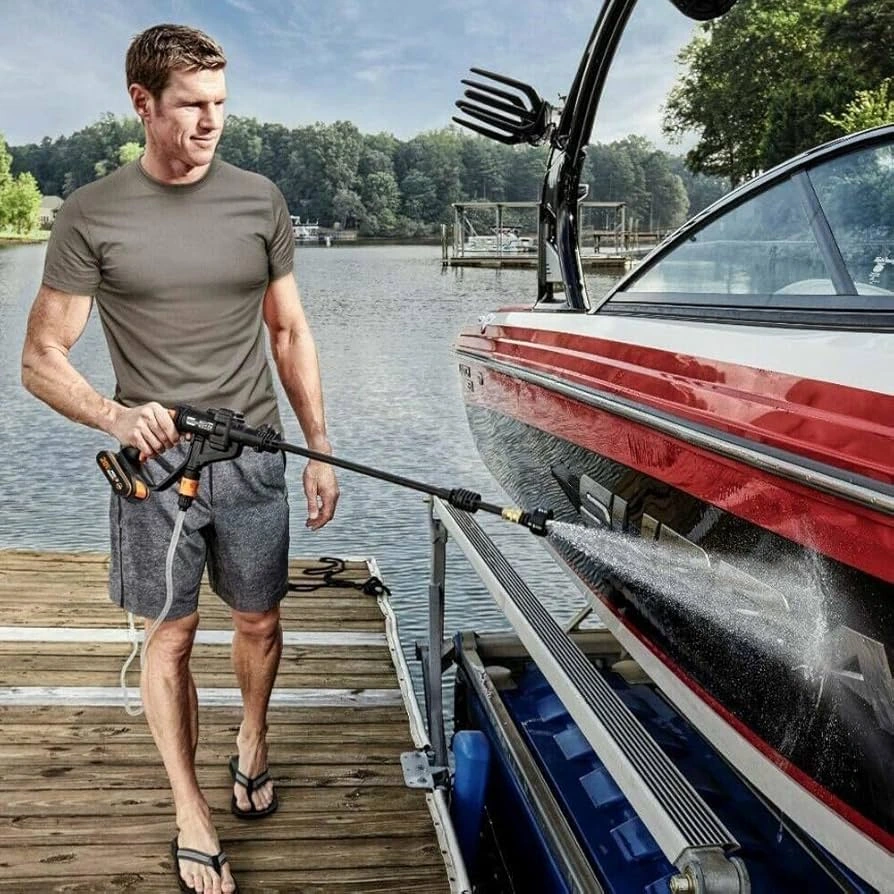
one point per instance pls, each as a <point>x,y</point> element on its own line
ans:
<point>322,493</point>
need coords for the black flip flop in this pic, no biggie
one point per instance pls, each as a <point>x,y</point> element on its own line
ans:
<point>250,784</point>
<point>187,853</point>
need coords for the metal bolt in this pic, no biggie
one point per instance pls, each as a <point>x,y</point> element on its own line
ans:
<point>682,884</point>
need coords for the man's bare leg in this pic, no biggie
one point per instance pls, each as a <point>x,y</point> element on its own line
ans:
<point>257,648</point>
<point>171,706</point>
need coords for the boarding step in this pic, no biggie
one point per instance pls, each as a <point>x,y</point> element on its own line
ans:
<point>688,832</point>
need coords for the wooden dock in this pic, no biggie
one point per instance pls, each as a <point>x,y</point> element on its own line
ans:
<point>590,263</point>
<point>84,801</point>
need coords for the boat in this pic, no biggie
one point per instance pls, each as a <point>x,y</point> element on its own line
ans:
<point>504,240</point>
<point>305,232</point>
<point>714,437</point>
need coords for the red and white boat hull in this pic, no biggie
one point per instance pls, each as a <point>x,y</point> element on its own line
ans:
<point>742,482</point>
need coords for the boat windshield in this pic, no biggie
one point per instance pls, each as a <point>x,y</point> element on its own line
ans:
<point>856,192</point>
<point>770,243</point>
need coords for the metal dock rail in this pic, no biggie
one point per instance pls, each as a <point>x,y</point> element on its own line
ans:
<point>85,804</point>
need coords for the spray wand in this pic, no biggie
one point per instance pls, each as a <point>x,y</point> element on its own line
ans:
<point>219,435</point>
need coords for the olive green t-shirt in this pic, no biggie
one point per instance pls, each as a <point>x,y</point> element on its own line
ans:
<point>179,275</point>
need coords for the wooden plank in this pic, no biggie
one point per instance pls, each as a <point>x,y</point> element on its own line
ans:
<point>205,676</point>
<point>106,775</point>
<point>108,655</point>
<point>151,857</point>
<point>156,801</point>
<point>412,880</point>
<point>89,599</point>
<point>281,697</point>
<point>31,558</point>
<point>290,825</point>
<point>119,635</point>
<point>38,615</point>
<point>78,755</point>
<point>318,734</point>
<point>212,718</point>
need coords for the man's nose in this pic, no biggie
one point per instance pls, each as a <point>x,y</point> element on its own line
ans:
<point>212,117</point>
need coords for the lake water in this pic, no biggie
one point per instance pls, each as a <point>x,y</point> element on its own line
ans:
<point>385,320</point>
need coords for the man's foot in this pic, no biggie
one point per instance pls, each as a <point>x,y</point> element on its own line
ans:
<point>197,833</point>
<point>252,797</point>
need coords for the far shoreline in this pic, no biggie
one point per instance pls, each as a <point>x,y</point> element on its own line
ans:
<point>37,238</point>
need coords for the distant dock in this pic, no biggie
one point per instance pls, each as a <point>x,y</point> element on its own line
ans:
<point>590,263</point>
<point>509,241</point>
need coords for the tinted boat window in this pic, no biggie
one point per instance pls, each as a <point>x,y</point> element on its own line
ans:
<point>764,245</point>
<point>857,195</point>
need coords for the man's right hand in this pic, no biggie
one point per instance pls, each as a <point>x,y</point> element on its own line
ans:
<point>148,427</point>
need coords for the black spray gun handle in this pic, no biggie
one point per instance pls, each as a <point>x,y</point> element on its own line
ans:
<point>130,479</point>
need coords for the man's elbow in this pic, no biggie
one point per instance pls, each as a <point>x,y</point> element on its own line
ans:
<point>34,360</point>
<point>29,368</point>
<point>288,341</point>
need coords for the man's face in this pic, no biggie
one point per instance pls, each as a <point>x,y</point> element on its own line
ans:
<point>186,121</point>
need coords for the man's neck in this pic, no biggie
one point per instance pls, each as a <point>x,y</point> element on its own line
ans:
<point>170,171</point>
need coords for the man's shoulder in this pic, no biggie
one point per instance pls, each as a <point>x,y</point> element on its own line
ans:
<point>110,187</point>
<point>245,180</point>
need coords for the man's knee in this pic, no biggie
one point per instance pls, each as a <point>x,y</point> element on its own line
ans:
<point>172,641</point>
<point>258,625</point>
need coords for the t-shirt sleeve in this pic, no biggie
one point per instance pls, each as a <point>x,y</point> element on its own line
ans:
<point>71,264</point>
<point>281,248</point>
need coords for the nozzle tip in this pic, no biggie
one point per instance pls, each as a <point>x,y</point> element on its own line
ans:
<point>537,522</point>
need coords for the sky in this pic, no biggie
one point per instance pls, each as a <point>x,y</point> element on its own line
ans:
<point>386,65</point>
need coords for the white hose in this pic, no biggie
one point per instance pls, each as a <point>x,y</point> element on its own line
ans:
<point>169,601</point>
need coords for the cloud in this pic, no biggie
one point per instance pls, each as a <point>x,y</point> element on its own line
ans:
<point>243,6</point>
<point>384,64</point>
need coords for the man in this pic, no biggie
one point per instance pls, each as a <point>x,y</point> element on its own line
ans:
<point>185,256</point>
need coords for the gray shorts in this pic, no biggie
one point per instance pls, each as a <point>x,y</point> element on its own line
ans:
<point>238,524</point>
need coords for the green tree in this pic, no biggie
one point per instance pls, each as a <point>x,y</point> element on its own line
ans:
<point>484,169</point>
<point>420,198</point>
<point>526,170</point>
<point>5,162</point>
<point>241,143</point>
<point>865,29</point>
<point>756,70</point>
<point>870,108</point>
<point>20,203</point>
<point>668,202</point>
<point>347,208</point>
<point>381,197</point>
<point>129,152</point>
<point>430,166</point>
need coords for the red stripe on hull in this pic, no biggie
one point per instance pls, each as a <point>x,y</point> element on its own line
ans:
<point>848,428</point>
<point>841,530</point>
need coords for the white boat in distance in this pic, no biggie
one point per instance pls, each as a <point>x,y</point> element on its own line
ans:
<point>304,232</point>
<point>504,241</point>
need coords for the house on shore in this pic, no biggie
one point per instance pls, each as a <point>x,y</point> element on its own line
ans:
<point>49,208</point>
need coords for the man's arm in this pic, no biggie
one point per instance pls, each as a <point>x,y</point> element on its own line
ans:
<point>295,356</point>
<point>56,322</point>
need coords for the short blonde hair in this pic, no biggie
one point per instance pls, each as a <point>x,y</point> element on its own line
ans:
<point>159,50</point>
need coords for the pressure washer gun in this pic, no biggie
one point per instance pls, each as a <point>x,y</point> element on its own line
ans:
<point>218,435</point>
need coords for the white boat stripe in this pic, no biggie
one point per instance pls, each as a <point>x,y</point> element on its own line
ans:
<point>853,359</point>
<point>113,696</point>
<point>203,637</point>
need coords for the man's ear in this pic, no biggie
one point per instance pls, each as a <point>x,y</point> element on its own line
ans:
<point>142,100</point>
